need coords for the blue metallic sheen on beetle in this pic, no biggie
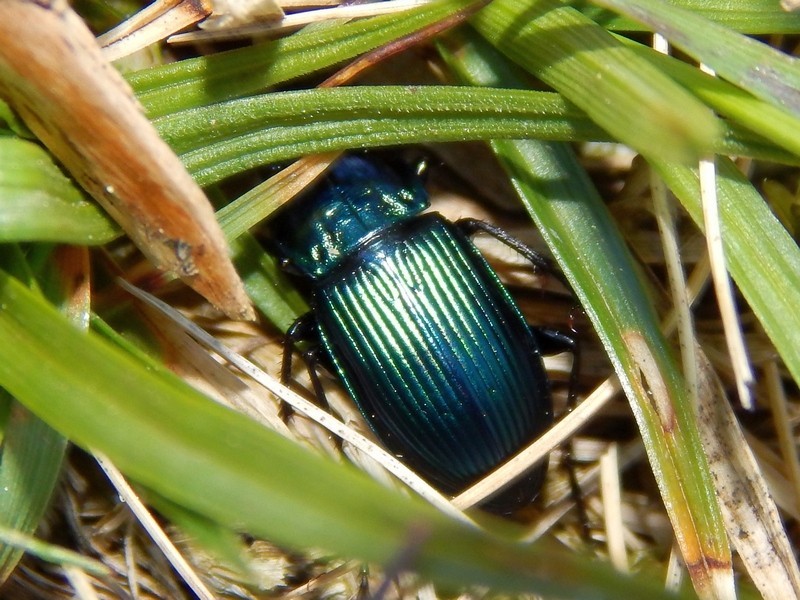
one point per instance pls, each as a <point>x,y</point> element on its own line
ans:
<point>430,345</point>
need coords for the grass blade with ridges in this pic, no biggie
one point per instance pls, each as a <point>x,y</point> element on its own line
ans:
<point>764,71</point>
<point>626,96</point>
<point>587,245</point>
<point>195,452</point>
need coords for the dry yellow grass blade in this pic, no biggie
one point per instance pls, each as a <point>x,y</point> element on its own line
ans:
<point>152,24</point>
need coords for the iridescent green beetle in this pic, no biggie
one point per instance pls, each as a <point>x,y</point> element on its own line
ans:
<point>431,346</point>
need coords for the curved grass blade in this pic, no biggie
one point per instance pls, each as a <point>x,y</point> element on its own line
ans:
<point>265,129</point>
<point>776,124</point>
<point>32,451</point>
<point>38,202</point>
<point>22,542</point>
<point>551,114</point>
<point>222,76</point>
<point>744,16</point>
<point>626,96</point>
<point>585,242</point>
<point>225,467</point>
<point>31,461</point>
<point>255,131</point>
<point>764,71</point>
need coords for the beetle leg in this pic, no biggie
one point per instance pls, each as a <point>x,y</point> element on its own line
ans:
<point>363,584</point>
<point>540,262</point>
<point>312,359</point>
<point>553,341</point>
<point>304,329</point>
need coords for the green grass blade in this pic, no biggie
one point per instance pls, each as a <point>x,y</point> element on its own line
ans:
<point>744,16</point>
<point>774,123</point>
<point>32,451</point>
<point>267,286</point>
<point>11,123</point>
<point>224,467</point>
<point>625,95</point>
<point>206,80</point>
<point>762,257</point>
<point>37,202</point>
<point>534,113</point>
<point>764,71</point>
<point>580,233</point>
<point>265,129</point>
<point>24,543</point>
<point>574,223</point>
<point>31,462</point>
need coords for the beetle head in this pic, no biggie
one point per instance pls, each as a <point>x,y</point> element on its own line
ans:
<point>360,197</point>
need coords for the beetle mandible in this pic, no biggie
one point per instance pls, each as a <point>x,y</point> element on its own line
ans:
<point>421,331</point>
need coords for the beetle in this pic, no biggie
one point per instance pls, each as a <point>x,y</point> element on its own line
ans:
<point>427,340</point>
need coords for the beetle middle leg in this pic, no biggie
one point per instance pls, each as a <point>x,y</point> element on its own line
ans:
<point>540,262</point>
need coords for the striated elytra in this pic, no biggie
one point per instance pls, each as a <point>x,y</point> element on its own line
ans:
<point>430,345</point>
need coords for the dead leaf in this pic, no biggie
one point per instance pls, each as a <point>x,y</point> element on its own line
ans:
<point>54,75</point>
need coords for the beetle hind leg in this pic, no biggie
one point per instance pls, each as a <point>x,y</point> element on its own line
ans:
<point>553,341</point>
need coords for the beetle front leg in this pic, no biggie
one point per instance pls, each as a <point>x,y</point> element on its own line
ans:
<point>304,329</point>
